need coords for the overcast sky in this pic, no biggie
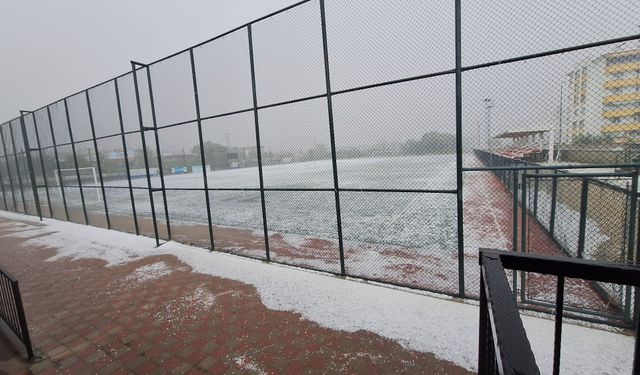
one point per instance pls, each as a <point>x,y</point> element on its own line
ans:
<point>53,48</point>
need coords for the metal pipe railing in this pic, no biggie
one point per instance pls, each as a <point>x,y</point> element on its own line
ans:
<point>503,344</point>
<point>12,310</point>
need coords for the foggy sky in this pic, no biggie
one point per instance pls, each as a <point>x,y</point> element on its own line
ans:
<point>52,50</point>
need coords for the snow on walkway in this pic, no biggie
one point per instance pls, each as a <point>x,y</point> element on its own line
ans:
<point>444,327</point>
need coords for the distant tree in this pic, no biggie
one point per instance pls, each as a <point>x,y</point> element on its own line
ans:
<point>318,152</point>
<point>209,147</point>
<point>215,154</point>
<point>138,159</point>
<point>433,142</point>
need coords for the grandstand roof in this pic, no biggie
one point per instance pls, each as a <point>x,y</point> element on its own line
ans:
<point>521,133</point>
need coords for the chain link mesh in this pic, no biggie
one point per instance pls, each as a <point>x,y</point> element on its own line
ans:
<point>332,140</point>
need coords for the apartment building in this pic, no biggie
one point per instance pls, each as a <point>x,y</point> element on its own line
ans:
<point>604,97</point>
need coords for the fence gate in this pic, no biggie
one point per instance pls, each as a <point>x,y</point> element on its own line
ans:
<point>590,216</point>
<point>150,143</point>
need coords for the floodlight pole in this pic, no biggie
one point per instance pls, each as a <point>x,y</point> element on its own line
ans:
<point>488,105</point>
<point>560,125</point>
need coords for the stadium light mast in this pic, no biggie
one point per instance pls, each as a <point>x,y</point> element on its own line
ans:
<point>557,157</point>
<point>488,103</point>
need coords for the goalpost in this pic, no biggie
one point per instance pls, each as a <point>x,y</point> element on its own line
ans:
<point>88,177</point>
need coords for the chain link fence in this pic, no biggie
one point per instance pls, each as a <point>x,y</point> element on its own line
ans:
<point>382,140</point>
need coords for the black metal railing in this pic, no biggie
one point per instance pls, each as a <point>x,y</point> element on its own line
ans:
<point>503,344</point>
<point>12,310</point>
<point>558,201</point>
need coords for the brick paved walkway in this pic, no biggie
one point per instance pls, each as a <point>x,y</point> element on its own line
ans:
<point>155,316</point>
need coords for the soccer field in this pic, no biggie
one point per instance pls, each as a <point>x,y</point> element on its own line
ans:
<point>405,219</point>
<point>402,237</point>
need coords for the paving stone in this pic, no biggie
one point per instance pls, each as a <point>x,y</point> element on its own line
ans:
<point>89,318</point>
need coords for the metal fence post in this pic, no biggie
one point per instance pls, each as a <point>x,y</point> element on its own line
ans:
<point>514,183</point>
<point>334,161</point>
<point>459,180</point>
<point>98,163</point>
<point>15,158</point>
<point>201,142</point>
<point>554,197</point>
<point>32,176</point>
<point>636,309</point>
<point>515,226</point>
<point>144,150</point>
<point>584,196</point>
<point>55,152</point>
<point>157,139</point>
<point>4,195</point>
<point>258,149</point>
<point>633,211</point>
<point>9,174</point>
<point>523,213</point>
<point>536,183</point>
<point>126,157</point>
<point>44,174</point>
<point>631,244</point>
<point>523,233</point>
<point>75,162</point>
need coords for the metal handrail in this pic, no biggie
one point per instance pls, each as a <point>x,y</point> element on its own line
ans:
<point>503,344</point>
<point>12,309</point>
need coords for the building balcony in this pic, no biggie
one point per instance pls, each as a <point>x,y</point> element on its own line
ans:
<point>621,98</point>
<point>618,68</point>
<point>619,83</point>
<point>622,112</point>
<point>613,128</point>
